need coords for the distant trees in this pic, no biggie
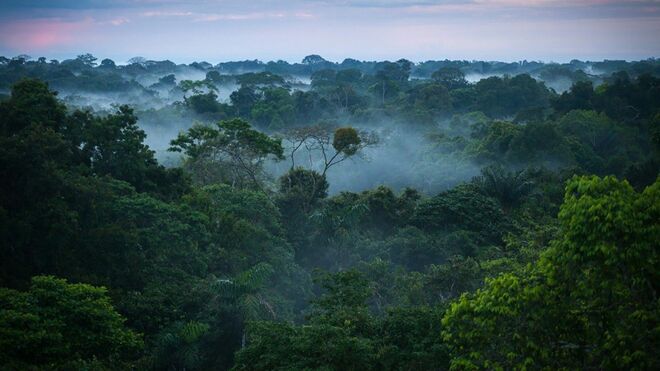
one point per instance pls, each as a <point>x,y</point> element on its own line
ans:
<point>503,97</point>
<point>87,59</point>
<point>430,101</point>
<point>243,100</point>
<point>197,86</point>
<point>450,77</point>
<point>259,79</point>
<point>275,109</point>
<point>313,59</point>
<point>579,96</point>
<point>216,273</point>
<point>108,63</point>
<point>391,77</point>
<point>137,60</point>
<point>339,87</point>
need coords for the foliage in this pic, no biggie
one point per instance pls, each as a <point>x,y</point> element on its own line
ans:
<point>216,273</point>
<point>589,302</point>
<point>462,208</point>
<point>178,348</point>
<point>509,188</point>
<point>233,146</point>
<point>57,325</point>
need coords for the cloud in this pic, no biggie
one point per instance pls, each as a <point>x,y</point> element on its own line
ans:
<point>158,13</point>
<point>252,16</point>
<point>41,33</point>
<point>368,29</point>
<point>88,4</point>
<point>115,21</point>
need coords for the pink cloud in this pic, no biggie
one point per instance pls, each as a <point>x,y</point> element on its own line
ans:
<point>38,34</point>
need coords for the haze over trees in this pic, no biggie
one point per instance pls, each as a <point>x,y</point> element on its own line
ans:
<point>320,215</point>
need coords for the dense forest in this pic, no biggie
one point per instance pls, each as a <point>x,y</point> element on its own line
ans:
<point>339,216</point>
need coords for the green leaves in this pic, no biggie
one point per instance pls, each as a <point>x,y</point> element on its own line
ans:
<point>589,302</point>
<point>57,325</point>
<point>346,140</point>
<point>247,282</point>
<point>179,346</point>
<point>233,146</point>
<point>463,207</point>
<point>31,103</point>
<point>342,334</point>
<point>510,188</point>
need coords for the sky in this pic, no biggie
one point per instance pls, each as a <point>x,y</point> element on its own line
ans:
<point>419,30</point>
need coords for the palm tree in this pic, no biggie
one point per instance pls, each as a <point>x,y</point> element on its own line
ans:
<point>178,347</point>
<point>243,294</point>
<point>509,187</point>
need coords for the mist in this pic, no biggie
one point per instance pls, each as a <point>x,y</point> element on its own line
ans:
<point>407,154</point>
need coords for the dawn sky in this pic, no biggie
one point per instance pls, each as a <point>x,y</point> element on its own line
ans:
<point>221,30</point>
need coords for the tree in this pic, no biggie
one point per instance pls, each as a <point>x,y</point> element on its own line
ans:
<point>390,78</point>
<point>599,138</point>
<point>275,109</point>
<point>168,80</point>
<point>510,188</point>
<point>31,103</point>
<point>197,87</point>
<point>58,325</point>
<point>179,346</point>
<point>87,59</point>
<point>108,63</point>
<point>352,337</point>
<point>204,103</point>
<point>243,294</point>
<point>260,79</point>
<point>137,60</point>
<point>303,188</point>
<point>338,226</point>
<point>580,96</point>
<point>316,140</point>
<point>503,97</point>
<point>313,59</point>
<point>340,321</point>
<point>590,302</point>
<point>243,100</point>
<point>409,341</point>
<point>233,146</point>
<point>462,208</point>
<point>114,145</point>
<point>430,101</point>
<point>450,77</point>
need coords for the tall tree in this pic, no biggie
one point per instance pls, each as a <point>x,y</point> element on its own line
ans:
<point>230,152</point>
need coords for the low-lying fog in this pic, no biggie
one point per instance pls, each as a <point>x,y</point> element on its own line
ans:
<point>402,158</point>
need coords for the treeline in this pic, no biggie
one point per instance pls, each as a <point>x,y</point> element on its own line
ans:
<point>109,260</point>
<point>88,73</point>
